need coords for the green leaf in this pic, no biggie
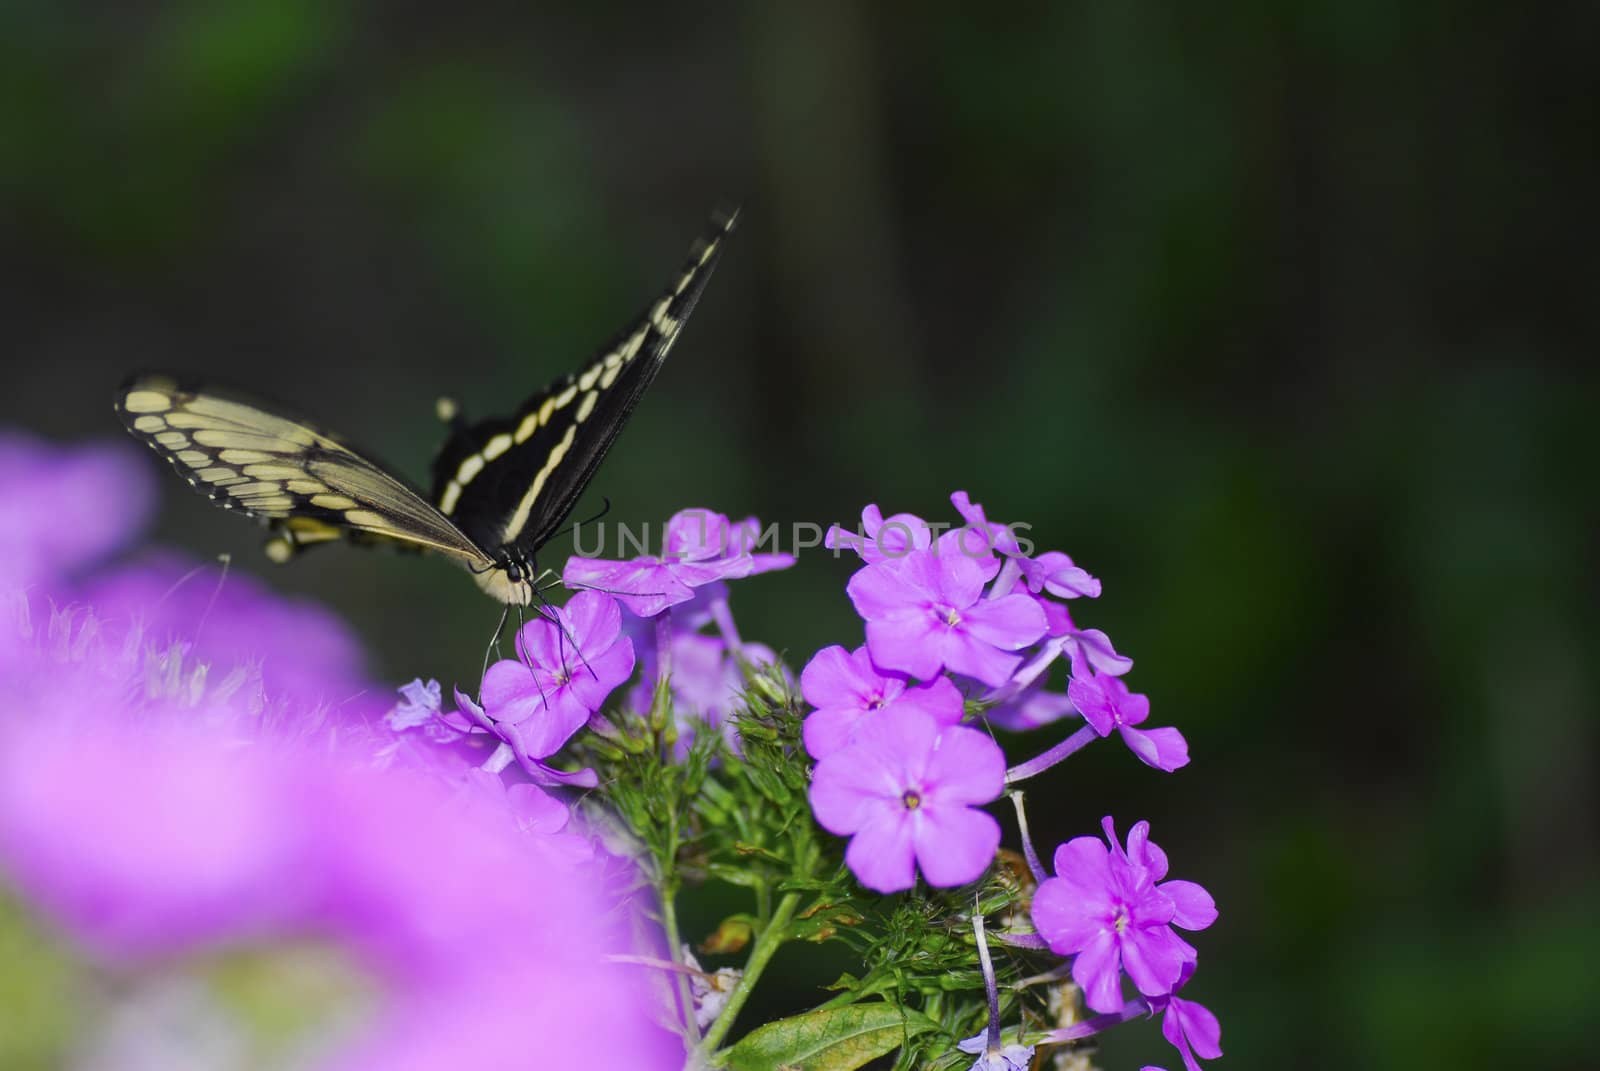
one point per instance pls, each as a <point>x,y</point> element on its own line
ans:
<point>831,1039</point>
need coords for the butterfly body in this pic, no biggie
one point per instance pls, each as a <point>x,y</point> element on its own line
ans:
<point>501,488</point>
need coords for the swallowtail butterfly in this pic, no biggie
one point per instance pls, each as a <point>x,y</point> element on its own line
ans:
<point>501,487</point>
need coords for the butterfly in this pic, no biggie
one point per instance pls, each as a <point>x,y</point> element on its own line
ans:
<point>502,488</point>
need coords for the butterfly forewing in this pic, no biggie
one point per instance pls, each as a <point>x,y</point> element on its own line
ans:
<point>304,483</point>
<point>513,481</point>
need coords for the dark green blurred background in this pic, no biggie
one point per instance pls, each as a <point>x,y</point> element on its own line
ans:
<point>1276,317</point>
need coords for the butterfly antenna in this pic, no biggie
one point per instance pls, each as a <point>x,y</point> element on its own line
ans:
<point>227,562</point>
<point>563,635</point>
<point>574,526</point>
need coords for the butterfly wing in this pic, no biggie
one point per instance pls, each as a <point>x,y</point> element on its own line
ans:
<point>305,484</point>
<point>511,482</point>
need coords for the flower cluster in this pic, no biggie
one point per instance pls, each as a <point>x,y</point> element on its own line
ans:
<point>218,772</point>
<point>971,614</point>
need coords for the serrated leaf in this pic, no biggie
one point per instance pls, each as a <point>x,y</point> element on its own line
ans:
<point>830,1039</point>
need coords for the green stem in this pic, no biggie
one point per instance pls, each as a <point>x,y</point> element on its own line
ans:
<point>669,923</point>
<point>775,933</point>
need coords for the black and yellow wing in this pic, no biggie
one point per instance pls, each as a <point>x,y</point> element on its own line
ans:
<point>501,487</point>
<point>511,482</point>
<point>305,484</point>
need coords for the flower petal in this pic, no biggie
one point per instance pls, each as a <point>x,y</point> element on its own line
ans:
<point>1097,972</point>
<point>1195,908</point>
<point>881,854</point>
<point>954,844</point>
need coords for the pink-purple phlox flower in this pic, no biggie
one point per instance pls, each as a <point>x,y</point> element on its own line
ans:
<point>880,539</point>
<point>1106,704</point>
<point>565,670</point>
<point>1053,572</point>
<point>847,689</point>
<point>926,612</point>
<point>707,681</point>
<point>1030,708</point>
<point>1190,1027</point>
<point>1104,907</point>
<point>699,547</point>
<point>906,791</point>
<point>984,537</point>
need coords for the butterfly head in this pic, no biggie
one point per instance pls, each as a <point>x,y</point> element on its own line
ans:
<point>512,578</point>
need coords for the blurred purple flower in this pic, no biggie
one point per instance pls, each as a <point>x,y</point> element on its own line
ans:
<point>1030,708</point>
<point>157,813</point>
<point>304,651</point>
<point>847,689</point>
<point>1104,907</point>
<point>707,680</point>
<point>565,670</point>
<point>879,539</point>
<point>66,507</point>
<point>905,791</point>
<point>700,547</point>
<point>1106,704</point>
<point>926,613</point>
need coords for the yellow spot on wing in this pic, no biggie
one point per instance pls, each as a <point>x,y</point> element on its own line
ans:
<point>146,401</point>
<point>172,440</point>
<point>452,495</point>
<point>610,376</point>
<point>217,474</point>
<point>333,501</point>
<point>496,446</point>
<point>148,423</point>
<point>245,457</point>
<point>306,487</point>
<point>586,380</point>
<point>194,458</point>
<point>366,518</point>
<point>588,404</point>
<point>525,507</point>
<point>268,472</point>
<point>469,468</point>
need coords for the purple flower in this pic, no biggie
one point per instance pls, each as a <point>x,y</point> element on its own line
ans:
<point>847,689</point>
<point>706,680</point>
<point>66,507</point>
<point>1191,1028</point>
<point>879,539</point>
<point>905,792</point>
<point>566,669</point>
<point>304,650</point>
<point>1012,1057</point>
<point>984,533</point>
<point>1054,572</point>
<point>926,613</point>
<point>1030,708</point>
<point>159,812</point>
<point>1106,908</point>
<point>700,547</point>
<point>1106,704</point>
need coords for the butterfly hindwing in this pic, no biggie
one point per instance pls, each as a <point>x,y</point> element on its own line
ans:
<point>305,484</point>
<point>513,481</point>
